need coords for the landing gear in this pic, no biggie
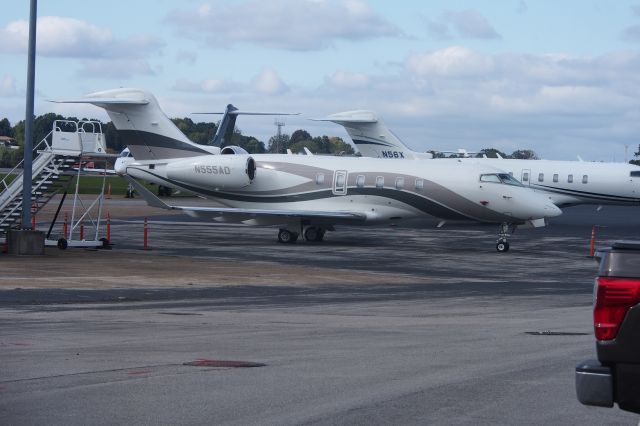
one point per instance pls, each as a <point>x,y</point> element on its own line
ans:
<point>309,233</point>
<point>506,229</point>
<point>314,234</point>
<point>287,237</point>
<point>502,246</point>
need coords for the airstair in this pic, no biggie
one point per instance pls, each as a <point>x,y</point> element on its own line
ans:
<point>57,159</point>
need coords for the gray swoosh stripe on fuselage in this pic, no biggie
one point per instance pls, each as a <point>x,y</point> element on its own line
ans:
<point>419,202</point>
<point>585,194</point>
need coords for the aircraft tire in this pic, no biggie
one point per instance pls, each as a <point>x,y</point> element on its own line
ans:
<point>312,234</point>
<point>287,237</point>
<point>502,246</point>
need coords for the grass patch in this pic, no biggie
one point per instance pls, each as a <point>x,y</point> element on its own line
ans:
<point>93,185</point>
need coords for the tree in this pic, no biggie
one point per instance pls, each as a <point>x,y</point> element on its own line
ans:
<point>201,133</point>
<point>338,146</point>
<point>299,136</point>
<point>491,153</point>
<point>524,154</point>
<point>5,128</point>
<point>636,154</point>
<point>114,141</point>
<point>278,146</point>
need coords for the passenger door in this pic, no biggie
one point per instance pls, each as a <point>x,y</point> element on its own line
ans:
<point>525,177</point>
<point>340,182</point>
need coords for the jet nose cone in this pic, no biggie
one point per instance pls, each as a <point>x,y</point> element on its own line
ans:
<point>120,167</point>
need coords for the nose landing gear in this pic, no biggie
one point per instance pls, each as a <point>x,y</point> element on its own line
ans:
<point>506,229</point>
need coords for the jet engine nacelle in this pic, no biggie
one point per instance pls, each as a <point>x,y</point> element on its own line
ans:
<point>214,171</point>
<point>233,150</point>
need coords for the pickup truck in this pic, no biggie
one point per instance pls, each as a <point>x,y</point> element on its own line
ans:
<point>615,376</point>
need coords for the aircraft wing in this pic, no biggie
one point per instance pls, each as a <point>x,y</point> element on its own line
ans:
<point>229,214</point>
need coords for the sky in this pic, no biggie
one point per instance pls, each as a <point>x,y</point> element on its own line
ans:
<point>559,77</point>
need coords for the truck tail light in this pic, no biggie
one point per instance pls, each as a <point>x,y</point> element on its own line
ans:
<point>614,297</point>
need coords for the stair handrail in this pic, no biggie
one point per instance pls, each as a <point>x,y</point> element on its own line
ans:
<point>43,145</point>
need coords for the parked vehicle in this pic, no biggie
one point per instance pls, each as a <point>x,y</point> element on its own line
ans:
<point>615,376</point>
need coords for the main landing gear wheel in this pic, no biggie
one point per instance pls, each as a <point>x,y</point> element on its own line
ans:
<point>287,237</point>
<point>502,246</point>
<point>313,234</point>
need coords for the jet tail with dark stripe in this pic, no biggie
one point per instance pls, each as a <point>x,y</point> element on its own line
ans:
<point>370,135</point>
<point>143,126</point>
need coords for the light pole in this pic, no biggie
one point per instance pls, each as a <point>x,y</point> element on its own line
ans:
<point>28,121</point>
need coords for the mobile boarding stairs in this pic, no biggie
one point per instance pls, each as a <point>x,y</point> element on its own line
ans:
<point>57,159</point>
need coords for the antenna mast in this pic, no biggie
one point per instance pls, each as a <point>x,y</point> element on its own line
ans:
<point>280,124</point>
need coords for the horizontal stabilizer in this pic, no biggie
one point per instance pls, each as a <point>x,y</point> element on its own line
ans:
<point>238,112</point>
<point>104,101</point>
<point>359,116</point>
<point>123,96</point>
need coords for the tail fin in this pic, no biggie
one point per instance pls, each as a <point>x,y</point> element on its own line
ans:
<point>142,125</point>
<point>228,123</point>
<point>225,129</point>
<point>371,136</point>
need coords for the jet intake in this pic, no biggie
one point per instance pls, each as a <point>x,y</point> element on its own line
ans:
<point>216,172</point>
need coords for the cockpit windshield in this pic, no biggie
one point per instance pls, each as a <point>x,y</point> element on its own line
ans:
<point>503,178</point>
<point>126,153</point>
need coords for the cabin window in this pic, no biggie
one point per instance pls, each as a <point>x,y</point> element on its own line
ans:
<point>490,178</point>
<point>380,182</point>
<point>508,179</point>
<point>635,173</point>
<point>399,183</point>
<point>320,179</point>
<point>419,184</point>
<point>360,181</point>
<point>555,177</point>
<point>525,177</point>
<point>152,166</point>
<point>585,178</point>
<point>570,178</point>
<point>540,177</point>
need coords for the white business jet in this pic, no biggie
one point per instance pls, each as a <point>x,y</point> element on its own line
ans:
<point>308,195</point>
<point>567,183</point>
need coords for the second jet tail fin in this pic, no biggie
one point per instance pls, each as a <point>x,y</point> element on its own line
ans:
<point>370,135</point>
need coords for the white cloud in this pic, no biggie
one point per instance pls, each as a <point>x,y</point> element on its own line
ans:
<point>631,33</point>
<point>8,86</point>
<point>209,85</point>
<point>283,24</point>
<point>186,57</point>
<point>466,24</point>
<point>453,61</point>
<point>343,79</point>
<point>268,82</point>
<point>471,24</point>
<point>120,69</point>
<point>72,38</point>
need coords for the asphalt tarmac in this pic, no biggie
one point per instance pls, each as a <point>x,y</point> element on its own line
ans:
<point>403,324</point>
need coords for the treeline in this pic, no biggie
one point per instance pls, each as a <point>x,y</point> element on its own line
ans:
<point>203,133</point>
<point>200,133</point>
<point>520,154</point>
